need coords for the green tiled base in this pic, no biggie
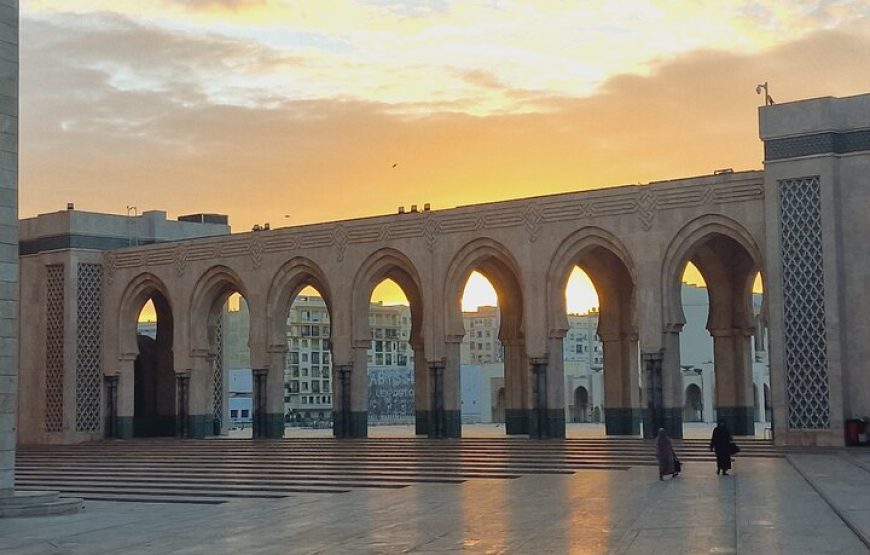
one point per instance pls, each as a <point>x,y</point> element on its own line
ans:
<point>199,426</point>
<point>671,419</point>
<point>622,421</point>
<point>553,425</point>
<point>124,427</point>
<point>421,422</point>
<point>740,420</point>
<point>516,422</point>
<point>155,426</point>
<point>358,428</point>
<point>273,426</point>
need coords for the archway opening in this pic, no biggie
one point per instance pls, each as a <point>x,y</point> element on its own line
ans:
<point>154,370</point>
<point>582,351</point>
<point>390,358</point>
<point>580,407</point>
<point>599,339</point>
<point>692,409</point>
<point>308,375</point>
<point>482,378</point>
<point>231,378</point>
<point>721,302</point>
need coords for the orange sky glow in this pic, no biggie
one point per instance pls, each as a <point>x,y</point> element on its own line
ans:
<point>294,112</point>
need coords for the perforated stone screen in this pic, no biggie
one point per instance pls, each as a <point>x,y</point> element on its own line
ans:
<point>803,287</point>
<point>54,311</point>
<point>218,369</point>
<point>89,347</point>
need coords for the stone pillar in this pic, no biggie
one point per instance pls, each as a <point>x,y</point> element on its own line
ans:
<point>622,415</point>
<point>452,389</point>
<point>555,388</point>
<point>259,383</point>
<point>126,401</point>
<point>200,401</point>
<point>732,363</point>
<point>274,415</point>
<point>662,383</point>
<point>110,397</point>
<point>351,398</point>
<point>516,378</point>
<point>8,242</point>
<point>182,405</point>
<point>422,401</point>
<point>544,420</point>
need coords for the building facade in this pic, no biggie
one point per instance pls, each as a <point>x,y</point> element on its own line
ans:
<point>800,222</point>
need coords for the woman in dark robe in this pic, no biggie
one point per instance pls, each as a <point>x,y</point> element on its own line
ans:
<point>721,443</point>
<point>665,455</point>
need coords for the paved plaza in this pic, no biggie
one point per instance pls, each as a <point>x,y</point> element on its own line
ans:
<point>475,495</point>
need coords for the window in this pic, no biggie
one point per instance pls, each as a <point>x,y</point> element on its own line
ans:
<point>379,346</point>
<point>315,387</point>
<point>315,357</point>
<point>325,385</point>
<point>304,357</point>
<point>294,357</point>
<point>379,359</point>
<point>246,413</point>
<point>326,358</point>
<point>388,359</point>
<point>234,413</point>
<point>305,372</point>
<point>304,386</point>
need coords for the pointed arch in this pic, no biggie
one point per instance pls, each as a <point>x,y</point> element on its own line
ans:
<point>294,276</point>
<point>498,265</point>
<point>387,263</point>
<point>690,242</point>
<point>212,289</point>
<point>138,291</point>
<point>608,263</point>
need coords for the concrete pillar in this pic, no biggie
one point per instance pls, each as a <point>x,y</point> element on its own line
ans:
<point>516,379</point>
<point>259,389</point>
<point>199,411</point>
<point>732,363</point>
<point>622,414</point>
<point>182,405</point>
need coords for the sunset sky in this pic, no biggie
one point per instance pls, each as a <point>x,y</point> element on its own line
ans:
<point>266,108</point>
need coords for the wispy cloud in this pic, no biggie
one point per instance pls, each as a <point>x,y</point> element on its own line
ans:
<point>116,112</point>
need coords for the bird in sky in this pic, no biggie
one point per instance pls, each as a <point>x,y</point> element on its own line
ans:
<point>395,164</point>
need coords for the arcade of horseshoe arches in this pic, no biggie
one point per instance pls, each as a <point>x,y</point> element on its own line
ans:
<point>801,222</point>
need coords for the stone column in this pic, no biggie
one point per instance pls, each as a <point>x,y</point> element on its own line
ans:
<point>259,383</point>
<point>274,417</point>
<point>351,395</point>
<point>622,414</point>
<point>422,401</point>
<point>110,410</point>
<point>732,363</point>
<point>452,392</point>
<point>555,366</point>
<point>182,405</point>
<point>8,242</point>
<point>544,420</point>
<point>200,402</point>
<point>516,378</point>
<point>126,400</point>
<point>662,386</point>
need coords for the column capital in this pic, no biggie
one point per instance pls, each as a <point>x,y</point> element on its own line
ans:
<point>277,349</point>
<point>259,371</point>
<point>183,373</point>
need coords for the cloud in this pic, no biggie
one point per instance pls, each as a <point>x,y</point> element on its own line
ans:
<point>164,140</point>
<point>216,4</point>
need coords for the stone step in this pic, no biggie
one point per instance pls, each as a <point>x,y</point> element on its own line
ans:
<point>38,503</point>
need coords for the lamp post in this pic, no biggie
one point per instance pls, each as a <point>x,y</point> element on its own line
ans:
<point>700,373</point>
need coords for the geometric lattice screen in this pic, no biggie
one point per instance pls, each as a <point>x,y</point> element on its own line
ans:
<point>218,366</point>
<point>89,347</point>
<point>803,289</point>
<point>54,278</point>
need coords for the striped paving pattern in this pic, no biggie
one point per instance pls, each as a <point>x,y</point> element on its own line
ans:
<point>220,470</point>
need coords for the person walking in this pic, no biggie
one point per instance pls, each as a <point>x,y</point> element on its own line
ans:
<point>668,462</point>
<point>722,443</point>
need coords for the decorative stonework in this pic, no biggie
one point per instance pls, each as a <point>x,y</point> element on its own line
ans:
<point>89,347</point>
<point>180,259</point>
<point>255,249</point>
<point>646,209</point>
<point>645,201</point>
<point>803,288</point>
<point>218,367</point>
<point>532,217</point>
<point>339,239</point>
<point>54,316</point>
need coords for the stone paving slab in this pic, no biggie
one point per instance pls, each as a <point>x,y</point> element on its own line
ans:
<point>765,507</point>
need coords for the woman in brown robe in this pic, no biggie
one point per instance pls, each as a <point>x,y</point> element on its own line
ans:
<point>665,455</point>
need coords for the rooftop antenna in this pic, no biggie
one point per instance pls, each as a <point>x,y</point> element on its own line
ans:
<point>768,100</point>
